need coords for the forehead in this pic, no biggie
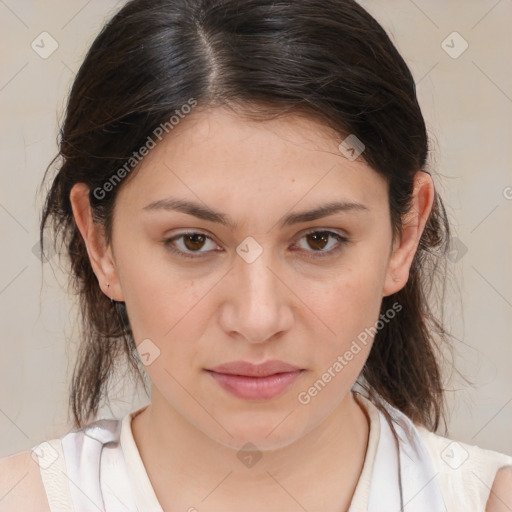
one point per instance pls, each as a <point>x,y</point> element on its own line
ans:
<point>218,155</point>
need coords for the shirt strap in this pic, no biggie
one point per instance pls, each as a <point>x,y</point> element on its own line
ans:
<point>403,470</point>
<point>50,457</point>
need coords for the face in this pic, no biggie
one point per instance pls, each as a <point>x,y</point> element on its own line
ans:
<point>265,284</point>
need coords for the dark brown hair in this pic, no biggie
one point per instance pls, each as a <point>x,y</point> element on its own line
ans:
<point>328,59</point>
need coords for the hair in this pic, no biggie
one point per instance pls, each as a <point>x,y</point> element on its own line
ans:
<point>326,59</point>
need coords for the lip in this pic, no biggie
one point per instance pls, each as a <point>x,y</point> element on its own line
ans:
<point>255,382</point>
<point>248,369</point>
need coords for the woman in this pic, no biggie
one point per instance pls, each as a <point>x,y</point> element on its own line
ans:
<point>244,199</point>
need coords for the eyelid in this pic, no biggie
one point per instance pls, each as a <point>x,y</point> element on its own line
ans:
<point>340,232</point>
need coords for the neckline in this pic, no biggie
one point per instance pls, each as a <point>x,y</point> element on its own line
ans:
<point>142,489</point>
<point>361,494</point>
<point>144,494</point>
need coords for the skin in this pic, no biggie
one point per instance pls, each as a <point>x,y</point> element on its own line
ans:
<point>500,497</point>
<point>218,308</point>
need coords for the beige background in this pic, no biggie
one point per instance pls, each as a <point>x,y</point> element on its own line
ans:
<point>467,103</point>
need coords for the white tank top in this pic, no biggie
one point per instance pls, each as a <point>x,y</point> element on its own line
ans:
<point>99,468</point>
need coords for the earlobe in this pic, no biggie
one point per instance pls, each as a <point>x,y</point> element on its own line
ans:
<point>413,224</point>
<point>100,255</point>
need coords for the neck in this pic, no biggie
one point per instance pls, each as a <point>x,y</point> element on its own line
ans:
<point>179,456</point>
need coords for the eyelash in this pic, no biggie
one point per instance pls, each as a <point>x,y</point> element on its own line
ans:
<point>317,254</point>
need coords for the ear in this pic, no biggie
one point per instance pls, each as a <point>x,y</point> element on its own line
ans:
<point>100,256</point>
<point>413,224</point>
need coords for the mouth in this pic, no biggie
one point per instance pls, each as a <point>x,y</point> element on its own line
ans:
<point>255,382</point>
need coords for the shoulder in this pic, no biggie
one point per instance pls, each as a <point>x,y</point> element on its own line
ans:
<point>32,479</point>
<point>21,485</point>
<point>458,455</point>
<point>469,473</point>
<point>500,497</point>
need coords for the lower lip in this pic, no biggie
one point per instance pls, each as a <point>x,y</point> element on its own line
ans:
<point>256,388</point>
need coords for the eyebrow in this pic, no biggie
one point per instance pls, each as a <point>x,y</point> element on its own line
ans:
<point>205,213</point>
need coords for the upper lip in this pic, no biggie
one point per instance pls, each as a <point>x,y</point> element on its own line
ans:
<point>255,370</point>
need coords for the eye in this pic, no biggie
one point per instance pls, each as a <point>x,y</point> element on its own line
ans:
<point>318,240</point>
<point>192,242</point>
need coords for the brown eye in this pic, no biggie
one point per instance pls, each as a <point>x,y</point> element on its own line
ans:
<point>194,241</point>
<point>191,243</point>
<point>317,241</point>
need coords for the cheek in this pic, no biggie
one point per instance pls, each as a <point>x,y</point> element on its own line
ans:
<point>163,308</point>
<point>156,292</point>
<point>167,313</point>
<point>354,294</point>
<point>346,307</point>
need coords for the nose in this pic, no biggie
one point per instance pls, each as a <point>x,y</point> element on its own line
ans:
<point>258,306</point>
